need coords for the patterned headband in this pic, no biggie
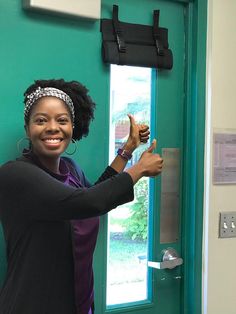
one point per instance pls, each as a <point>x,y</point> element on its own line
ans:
<point>48,91</point>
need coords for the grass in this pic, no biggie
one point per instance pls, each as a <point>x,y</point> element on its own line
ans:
<point>124,266</point>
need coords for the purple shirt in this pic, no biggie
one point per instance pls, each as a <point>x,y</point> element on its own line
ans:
<point>84,237</point>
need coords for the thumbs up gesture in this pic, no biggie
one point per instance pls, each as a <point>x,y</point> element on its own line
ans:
<point>138,133</point>
<point>150,162</point>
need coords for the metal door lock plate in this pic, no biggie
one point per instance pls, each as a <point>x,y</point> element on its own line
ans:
<point>227,226</point>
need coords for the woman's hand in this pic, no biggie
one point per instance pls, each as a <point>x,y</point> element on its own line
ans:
<point>149,164</point>
<point>139,133</point>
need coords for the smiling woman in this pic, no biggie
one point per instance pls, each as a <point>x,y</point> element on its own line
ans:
<point>51,223</point>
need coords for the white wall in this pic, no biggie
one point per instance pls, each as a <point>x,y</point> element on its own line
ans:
<point>219,271</point>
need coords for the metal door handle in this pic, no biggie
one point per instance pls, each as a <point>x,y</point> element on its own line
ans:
<point>166,264</point>
<point>170,260</point>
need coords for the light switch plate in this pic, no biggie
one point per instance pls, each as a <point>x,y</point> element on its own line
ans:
<point>227,225</point>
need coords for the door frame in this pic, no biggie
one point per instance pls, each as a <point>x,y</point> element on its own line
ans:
<point>194,155</point>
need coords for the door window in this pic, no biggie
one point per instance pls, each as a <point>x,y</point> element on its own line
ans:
<point>128,225</point>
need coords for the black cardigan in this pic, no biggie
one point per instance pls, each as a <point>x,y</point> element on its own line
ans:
<point>35,211</point>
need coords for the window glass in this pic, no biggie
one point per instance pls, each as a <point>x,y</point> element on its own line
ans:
<point>130,92</point>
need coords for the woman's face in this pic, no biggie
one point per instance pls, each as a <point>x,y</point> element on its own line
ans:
<point>50,127</point>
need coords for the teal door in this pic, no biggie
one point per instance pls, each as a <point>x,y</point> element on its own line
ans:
<point>165,206</point>
<point>39,45</point>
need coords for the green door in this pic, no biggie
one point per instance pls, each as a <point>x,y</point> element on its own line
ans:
<point>167,103</point>
<point>40,46</point>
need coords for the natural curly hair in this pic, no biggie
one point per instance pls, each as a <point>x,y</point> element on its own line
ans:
<point>83,104</point>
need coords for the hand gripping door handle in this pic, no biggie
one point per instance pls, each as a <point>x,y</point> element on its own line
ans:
<point>170,260</point>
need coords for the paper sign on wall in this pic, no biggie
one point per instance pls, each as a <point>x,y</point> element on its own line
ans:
<point>224,164</point>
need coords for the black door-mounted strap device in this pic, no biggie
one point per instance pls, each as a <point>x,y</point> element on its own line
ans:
<point>135,44</point>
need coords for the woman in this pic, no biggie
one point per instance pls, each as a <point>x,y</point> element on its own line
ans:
<point>49,210</point>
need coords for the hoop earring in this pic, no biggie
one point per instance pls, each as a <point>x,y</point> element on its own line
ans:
<point>21,151</point>
<point>75,148</point>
